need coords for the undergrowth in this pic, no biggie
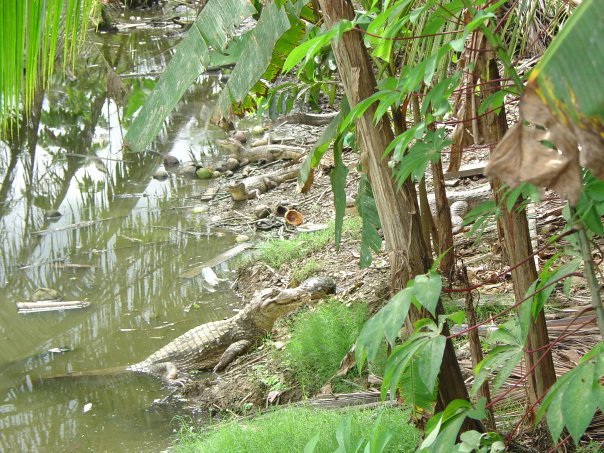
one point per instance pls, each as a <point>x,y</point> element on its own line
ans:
<point>278,252</point>
<point>320,338</point>
<point>290,429</point>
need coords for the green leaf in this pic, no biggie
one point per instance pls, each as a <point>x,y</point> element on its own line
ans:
<point>579,405</point>
<point>574,398</point>
<point>369,341</point>
<point>457,317</point>
<point>427,291</point>
<point>394,314</point>
<point>315,155</point>
<point>378,440</point>
<point>441,434</point>
<point>370,238</point>
<point>343,434</point>
<point>430,359</point>
<point>503,360</point>
<point>547,277</point>
<point>386,323</point>
<point>438,96</point>
<point>213,27</point>
<point>414,390</point>
<point>493,102</point>
<point>569,73</point>
<point>311,445</point>
<point>422,152</point>
<point>256,55</point>
<point>401,358</point>
<point>308,49</point>
<point>477,21</point>
<point>337,177</point>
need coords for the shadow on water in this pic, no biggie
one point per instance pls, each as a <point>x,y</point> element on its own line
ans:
<point>121,243</point>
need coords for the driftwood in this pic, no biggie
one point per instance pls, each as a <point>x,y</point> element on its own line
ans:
<point>50,305</point>
<point>225,256</point>
<point>255,186</point>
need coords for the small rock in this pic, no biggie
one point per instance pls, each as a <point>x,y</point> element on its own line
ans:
<point>260,142</point>
<point>257,130</point>
<point>240,136</point>
<point>243,162</point>
<point>262,211</point>
<point>161,175</point>
<point>52,214</point>
<point>171,161</point>
<point>228,173</point>
<point>220,166</point>
<point>350,201</point>
<point>204,173</point>
<point>189,170</point>
<point>216,174</point>
<point>452,182</point>
<point>242,238</point>
<point>46,294</point>
<point>278,345</point>
<point>232,164</point>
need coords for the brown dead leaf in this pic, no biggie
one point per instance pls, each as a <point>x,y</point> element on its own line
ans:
<point>304,188</point>
<point>522,156</point>
<point>347,363</point>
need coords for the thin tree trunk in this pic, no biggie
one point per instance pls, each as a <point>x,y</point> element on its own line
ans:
<point>443,216</point>
<point>517,244</point>
<point>397,209</point>
<point>442,219</point>
<point>475,346</point>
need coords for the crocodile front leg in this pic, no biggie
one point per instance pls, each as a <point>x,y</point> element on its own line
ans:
<point>232,352</point>
<point>167,371</point>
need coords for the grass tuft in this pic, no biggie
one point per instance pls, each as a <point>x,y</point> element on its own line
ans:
<point>278,252</point>
<point>319,340</point>
<point>290,429</point>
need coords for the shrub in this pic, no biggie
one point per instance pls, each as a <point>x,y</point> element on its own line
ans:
<point>320,338</point>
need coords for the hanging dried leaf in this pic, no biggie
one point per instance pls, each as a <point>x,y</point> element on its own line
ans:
<point>543,151</point>
<point>564,95</point>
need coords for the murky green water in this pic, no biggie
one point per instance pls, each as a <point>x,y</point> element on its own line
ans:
<point>130,237</point>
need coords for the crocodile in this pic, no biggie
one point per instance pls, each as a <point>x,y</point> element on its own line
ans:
<point>255,186</point>
<point>214,345</point>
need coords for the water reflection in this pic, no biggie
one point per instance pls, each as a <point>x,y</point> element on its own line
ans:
<point>130,237</point>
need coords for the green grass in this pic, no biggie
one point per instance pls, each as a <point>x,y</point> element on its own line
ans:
<point>308,268</point>
<point>290,429</point>
<point>319,340</point>
<point>278,252</point>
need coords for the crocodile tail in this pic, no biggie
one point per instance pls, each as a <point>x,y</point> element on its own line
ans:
<point>84,374</point>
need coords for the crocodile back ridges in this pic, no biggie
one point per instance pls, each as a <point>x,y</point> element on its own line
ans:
<point>197,348</point>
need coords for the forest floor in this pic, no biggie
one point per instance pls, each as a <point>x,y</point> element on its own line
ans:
<point>238,389</point>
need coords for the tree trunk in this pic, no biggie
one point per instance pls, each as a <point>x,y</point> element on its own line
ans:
<point>517,244</point>
<point>397,209</point>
